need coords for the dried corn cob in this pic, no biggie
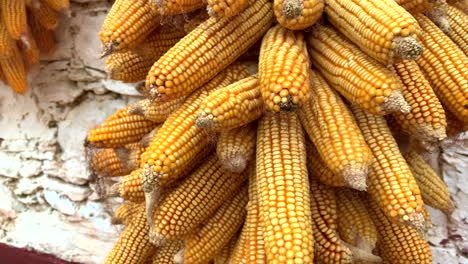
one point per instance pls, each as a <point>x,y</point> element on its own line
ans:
<point>223,255</point>
<point>416,6</point>
<point>133,245</point>
<point>203,246</point>
<point>127,24</point>
<point>133,65</point>
<point>232,106</point>
<point>449,82</point>
<point>226,8</point>
<point>206,50</point>
<point>236,147</point>
<point>29,50</point>
<point>155,111</point>
<point>283,189</point>
<point>238,255</point>
<point>334,131</point>
<point>454,126</point>
<point>126,212</point>
<point>13,14</point>
<point>462,5</point>
<point>458,33</point>
<point>7,43</point>
<point>107,163</point>
<point>165,254</point>
<point>383,29</point>
<point>284,69</point>
<point>129,188</point>
<point>119,129</point>
<point>62,6</point>
<point>15,72</point>
<point>298,14</point>
<point>434,191</point>
<point>175,7</point>
<point>399,243</point>
<point>391,183</point>
<point>209,186</point>
<point>45,38</point>
<point>356,76</point>
<point>426,118</point>
<point>45,15</point>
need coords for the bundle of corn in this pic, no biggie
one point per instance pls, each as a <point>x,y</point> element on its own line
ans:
<point>26,30</point>
<point>295,163</point>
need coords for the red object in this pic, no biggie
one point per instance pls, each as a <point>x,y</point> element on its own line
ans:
<point>12,255</point>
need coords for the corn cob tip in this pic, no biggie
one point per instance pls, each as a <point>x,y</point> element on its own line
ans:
<point>203,120</point>
<point>235,163</point>
<point>408,48</point>
<point>395,103</point>
<point>438,15</point>
<point>66,11</point>
<point>449,209</point>
<point>149,179</point>
<point>416,220</point>
<point>114,190</point>
<point>116,221</point>
<point>356,176</point>
<point>360,254</point>
<point>108,48</point>
<point>179,257</point>
<point>292,8</point>
<point>156,238</point>
<point>428,133</point>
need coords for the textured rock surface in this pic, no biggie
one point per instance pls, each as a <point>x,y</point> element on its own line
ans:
<point>47,199</point>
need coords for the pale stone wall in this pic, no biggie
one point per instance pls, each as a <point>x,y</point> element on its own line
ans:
<point>47,199</point>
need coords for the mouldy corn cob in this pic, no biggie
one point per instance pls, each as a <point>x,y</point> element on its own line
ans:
<point>208,49</point>
<point>417,6</point>
<point>194,200</point>
<point>219,228</point>
<point>13,14</point>
<point>236,147</point>
<point>226,8</point>
<point>359,78</point>
<point>382,29</point>
<point>399,244</point>
<point>155,111</point>
<point>45,15</point>
<point>223,255</point>
<point>174,7</point>
<point>283,189</point>
<point>298,14</point>
<point>391,183</point>
<point>62,6</point>
<point>458,33</point>
<point>126,212</point>
<point>232,106</point>
<point>332,128</point>
<point>444,65</point>
<point>434,191</point>
<point>438,14</point>
<point>165,254</point>
<point>14,70</point>
<point>45,38</point>
<point>127,24</point>
<point>133,245</point>
<point>427,117</point>
<point>284,69</point>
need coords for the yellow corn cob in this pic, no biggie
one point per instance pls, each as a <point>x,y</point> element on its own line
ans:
<point>449,81</point>
<point>454,126</point>
<point>107,163</point>
<point>208,49</point>
<point>127,24</point>
<point>126,212</point>
<point>7,43</point>
<point>223,255</point>
<point>15,72</point>
<point>434,191</point>
<point>133,65</point>
<point>202,246</point>
<point>354,223</point>
<point>416,6</point>
<point>29,50</point>
<point>391,183</point>
<point>119,129</point>
<point>458,33</point>
<point>13,13</point>
<point>426,119</point>
<point>462,5</point>
<point>359,78</point>
<point>62,6</point>
<point>334,131</point>
<point>155,111</point>
<point>284,69</point>
<point>226,8</point>
<point>45,38</point>
<point>175,7</point>
<point>129,188</point>
<point>399,244</point>
<point>179,140</point>
<point>45,15</point>
<point>209,186</point>
<point>165,254</point>
<point>298,14</point>
<point>283,189</point>
<point>236,147</point>
<point>382,29</point>
<point>232,106</point>
<point>133,245</point>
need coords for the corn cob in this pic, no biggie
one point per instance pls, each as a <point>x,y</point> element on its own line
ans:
<point>458,33</point>
<point>238,255</point>
<point>29,50</point>
<point>133,245</point>
<point>283,189</point>
<point>334,131</point>
<point>223,255</point>
<point>284,69</point>
<point>15,72</point>
<point>354,223</point>
<point>426,118</point>
<point>454,126</point>
<point>399,244</point>
<point>226,8</point>
<point>298,14</point>
<point>232,106</point>
<point>209,186</point>
<point>236,147</point>
<point>133,65</point>
<point>125,213</point>
<point>148,138</point>
<point>207,50</point>
<point>359,78</point>
<point>462,5</point>
<point>2,75</point>
<point>416,6</point>
<point>382,29</point>
<point>13,13</point>
<point>62,6</point>
<point>45,15</point>
<point>179,141</point>
<point>217,231</point>
<point>449,81</point>
<point>45,38</point>
<point>174,7</point>
<point>391,183</point>
<point>127,25</point>
<point>7,43</point>
<point>155,111</point>
<point>129,188</point>
<point>107,163</point>
<point>434,191</point>
<point>165,254</point>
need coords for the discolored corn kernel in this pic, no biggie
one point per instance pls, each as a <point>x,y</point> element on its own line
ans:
<point>298,14</point>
